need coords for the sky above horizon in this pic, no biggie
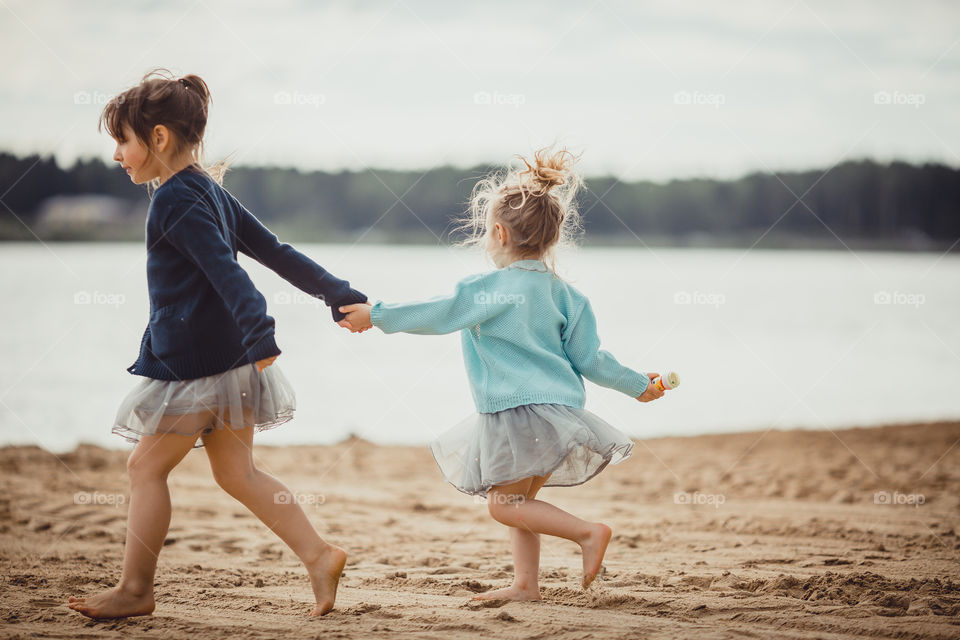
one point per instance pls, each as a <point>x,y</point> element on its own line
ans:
<point>652,90</point>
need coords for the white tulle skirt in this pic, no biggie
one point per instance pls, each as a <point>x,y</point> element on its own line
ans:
<point>238,398</point>
<point>488,449</point>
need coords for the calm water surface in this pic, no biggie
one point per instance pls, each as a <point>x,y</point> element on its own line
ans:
<point>761,339</point>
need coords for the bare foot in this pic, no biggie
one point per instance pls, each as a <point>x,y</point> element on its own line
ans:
<point>593,548</point>
<point>512,592</point>
<point>325,576</point>
<point>115,603</point>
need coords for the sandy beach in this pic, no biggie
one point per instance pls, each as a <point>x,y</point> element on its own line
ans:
<point>798,534</point>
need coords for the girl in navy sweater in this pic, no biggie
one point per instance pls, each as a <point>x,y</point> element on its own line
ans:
<point>208,350</point>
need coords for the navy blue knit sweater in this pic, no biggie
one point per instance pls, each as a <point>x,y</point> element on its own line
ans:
<point>206,316</point>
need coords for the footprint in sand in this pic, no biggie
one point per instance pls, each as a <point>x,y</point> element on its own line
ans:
<point>230,545</point>
<point>38,526</point>
<point>476,605</point>
<point>45,602</point>
<point>445,571</point>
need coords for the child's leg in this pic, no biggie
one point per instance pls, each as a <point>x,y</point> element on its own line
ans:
<point>508,505</point>
<point>148,519</point>
<point>231,459</point>
<point>525,545</point>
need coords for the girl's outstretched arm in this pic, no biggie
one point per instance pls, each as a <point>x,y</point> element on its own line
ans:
<point>262,245</point>
<point>582,347</point>
<point>469,305</point>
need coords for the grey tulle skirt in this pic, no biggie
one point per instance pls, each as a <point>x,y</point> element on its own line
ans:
<point>239,398</point>
<point>489,449</point>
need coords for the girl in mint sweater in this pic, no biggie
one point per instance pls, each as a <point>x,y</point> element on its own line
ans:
<point>529,339</point>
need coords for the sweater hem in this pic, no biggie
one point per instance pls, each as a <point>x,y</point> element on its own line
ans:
<point>511,402</point>
<point>191,367</point>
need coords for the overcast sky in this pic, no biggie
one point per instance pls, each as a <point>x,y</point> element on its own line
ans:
<point>645,89</point>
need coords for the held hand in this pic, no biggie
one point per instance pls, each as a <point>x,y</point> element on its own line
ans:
<point>346,325</point>
<point>651,392</point>
<point>266,362</point>
<point>358,317</point>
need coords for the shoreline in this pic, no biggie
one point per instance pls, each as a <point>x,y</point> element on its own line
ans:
<point>124,446</point>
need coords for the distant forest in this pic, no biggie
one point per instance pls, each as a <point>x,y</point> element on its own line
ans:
<point>896,205</point>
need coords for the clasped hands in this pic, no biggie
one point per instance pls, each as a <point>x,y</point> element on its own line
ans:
<point>357,318</point>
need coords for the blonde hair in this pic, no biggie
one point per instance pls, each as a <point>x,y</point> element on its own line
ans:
<point>535,202</point>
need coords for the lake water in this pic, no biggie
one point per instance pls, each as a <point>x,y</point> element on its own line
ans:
<point>761,339</point>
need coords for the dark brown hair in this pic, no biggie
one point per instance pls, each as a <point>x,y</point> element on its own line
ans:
<point>179,104</point>
<point>535,203</point>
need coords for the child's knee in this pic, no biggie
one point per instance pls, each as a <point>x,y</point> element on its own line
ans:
<point>503,507</point>
<point>495,512</point>
<point>234,480</point>
<point>140,467</point>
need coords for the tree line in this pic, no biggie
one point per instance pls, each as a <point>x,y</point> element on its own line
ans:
<point>860,199</point>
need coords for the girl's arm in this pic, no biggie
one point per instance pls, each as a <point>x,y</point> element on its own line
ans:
<point>582,347</point>
<point>191,228</point>
<point>262,245</point>
<point>469,305</point>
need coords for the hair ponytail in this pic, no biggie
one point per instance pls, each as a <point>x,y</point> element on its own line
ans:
<point>196,84</point>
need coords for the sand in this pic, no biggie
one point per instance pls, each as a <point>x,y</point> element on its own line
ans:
<point>799,534</point>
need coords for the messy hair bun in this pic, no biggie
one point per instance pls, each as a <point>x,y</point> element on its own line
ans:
<point>536,202</point>
<point>546,172</point>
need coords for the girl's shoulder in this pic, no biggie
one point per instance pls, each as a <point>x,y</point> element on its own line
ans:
<point>185,188</point>
<point>530,280</point>
<point>477,282</point>
<point>485,278</point>
<point>567,299</point>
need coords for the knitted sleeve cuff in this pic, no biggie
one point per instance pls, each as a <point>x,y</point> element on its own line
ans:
<point>376,315</point>
<point>352,296</point>
<point>638,385</point>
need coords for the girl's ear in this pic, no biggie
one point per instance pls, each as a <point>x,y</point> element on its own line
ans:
<point>502,235</point>
<point>161,138</point>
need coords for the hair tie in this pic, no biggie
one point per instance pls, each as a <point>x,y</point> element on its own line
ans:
<point>184,83</point>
